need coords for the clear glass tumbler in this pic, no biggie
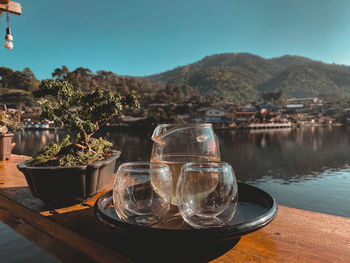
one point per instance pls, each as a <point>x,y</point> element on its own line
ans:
<point>207,194</point>
<point>136,198</point>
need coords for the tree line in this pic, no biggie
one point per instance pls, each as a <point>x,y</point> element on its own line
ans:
<point>21,84</point>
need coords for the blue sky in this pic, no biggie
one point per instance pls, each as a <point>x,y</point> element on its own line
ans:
<point>142,37</point>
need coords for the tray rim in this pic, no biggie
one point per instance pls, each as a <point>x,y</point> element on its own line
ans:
<point>228,231</point>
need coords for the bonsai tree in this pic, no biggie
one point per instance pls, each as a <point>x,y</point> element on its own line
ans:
<point>9,121</point>
<point>81,113</point>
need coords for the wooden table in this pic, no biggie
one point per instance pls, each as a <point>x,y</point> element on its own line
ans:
<point>72,233</point>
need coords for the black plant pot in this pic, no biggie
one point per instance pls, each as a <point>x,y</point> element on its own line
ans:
<point>69,183</point>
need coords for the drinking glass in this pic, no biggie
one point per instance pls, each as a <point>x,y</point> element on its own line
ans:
<point>177,144</point>
<point>136,199</point>
<point>207,194</point>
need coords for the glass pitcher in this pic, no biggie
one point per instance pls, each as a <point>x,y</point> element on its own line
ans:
<point>177,144</point>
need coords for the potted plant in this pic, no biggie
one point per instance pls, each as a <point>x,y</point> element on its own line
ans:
<point>77,168</point>
<point>9,122</point>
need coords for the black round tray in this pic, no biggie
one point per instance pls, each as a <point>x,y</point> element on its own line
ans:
<point>256,208</point>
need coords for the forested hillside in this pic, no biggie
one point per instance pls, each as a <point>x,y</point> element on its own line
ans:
<point>234,77</point>
<point>245,77</point>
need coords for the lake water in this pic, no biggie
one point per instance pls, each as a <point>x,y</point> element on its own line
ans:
<point>305,168</point>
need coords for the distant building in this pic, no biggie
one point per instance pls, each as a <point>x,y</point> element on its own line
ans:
<point>268,107</point>
<point>310,105</point>
<point>211,112</point>
<point>304,103</point>
<point>212,115</point>
<point>295,106</point>
<point>245,114</point>
<point>309,100</point>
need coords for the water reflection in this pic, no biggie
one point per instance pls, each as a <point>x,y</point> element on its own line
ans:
<point>287,154</point>
<point>29,142</point>
<point>304,168</point>
<point>291,156</point>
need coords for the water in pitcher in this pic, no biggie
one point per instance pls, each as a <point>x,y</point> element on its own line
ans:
<point>175,163</point>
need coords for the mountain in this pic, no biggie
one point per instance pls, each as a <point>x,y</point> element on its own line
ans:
<point>244,77</point>
<point>288,60</point>
<point>314,79</point>
<point>233,75</point>
<point>242,63</point>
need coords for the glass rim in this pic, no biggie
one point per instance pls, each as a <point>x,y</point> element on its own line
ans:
<point>210,165</point>
<point>143,166</point>
<point>166,128</point>
<point>196,124</point>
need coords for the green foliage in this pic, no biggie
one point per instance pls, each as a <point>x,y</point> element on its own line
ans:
<point>288,61</point>
<point>48,154</point>
<point>9,121</point>
<point>245,77</point>
<point>82,113</point>
<point>77,111</point>
<point>16,86</point>
<point>65,154</point>
<point>274,97</point>
<point>311,80</point>
<point>230,76</point>
<point>24,80</point>
<point>161,115</point>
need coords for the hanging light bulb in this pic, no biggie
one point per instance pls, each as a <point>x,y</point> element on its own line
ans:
<point>8,37</point>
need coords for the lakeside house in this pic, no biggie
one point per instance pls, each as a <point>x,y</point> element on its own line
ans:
<point>245,114</point>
